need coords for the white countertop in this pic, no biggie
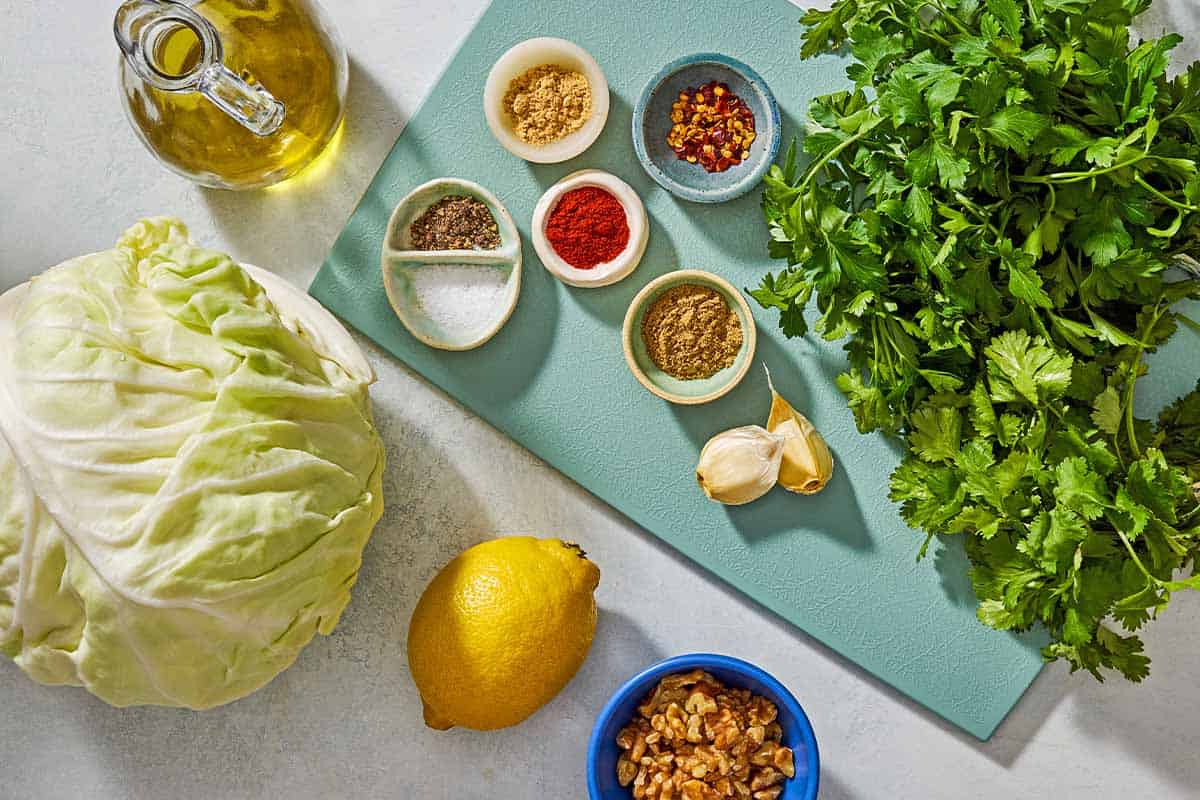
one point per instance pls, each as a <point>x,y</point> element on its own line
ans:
<point>346,721</point>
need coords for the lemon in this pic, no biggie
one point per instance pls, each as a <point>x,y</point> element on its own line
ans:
<point>501,630</point>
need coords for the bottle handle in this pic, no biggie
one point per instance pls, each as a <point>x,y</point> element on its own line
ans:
<point>141,27</point>
<point>248,103</point>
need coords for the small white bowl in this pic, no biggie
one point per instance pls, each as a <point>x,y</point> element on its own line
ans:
<point>602,274</point>
<point>524,57</point>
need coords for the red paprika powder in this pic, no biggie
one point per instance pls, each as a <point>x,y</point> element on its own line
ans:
<point>588,227</point>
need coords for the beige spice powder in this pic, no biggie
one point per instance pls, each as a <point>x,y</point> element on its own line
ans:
<point>691,332</point>
<point>547,103</point>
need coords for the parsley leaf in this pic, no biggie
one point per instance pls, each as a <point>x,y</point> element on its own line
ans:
<point>936,432</point>
<point>1008,14</point>
<point>1107,411</point>
<point>1021,366</point>
<point>1080,488</point>
<point>1015,127</point>
<point>935,162</point>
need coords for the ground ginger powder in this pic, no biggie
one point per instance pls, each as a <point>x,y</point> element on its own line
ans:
<point>691,332</point>
<point>547,103</point>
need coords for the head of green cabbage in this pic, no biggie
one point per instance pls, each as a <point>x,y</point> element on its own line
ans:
<point>189,472</point>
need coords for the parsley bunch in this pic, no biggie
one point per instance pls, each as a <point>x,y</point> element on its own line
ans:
<point>995,217</point>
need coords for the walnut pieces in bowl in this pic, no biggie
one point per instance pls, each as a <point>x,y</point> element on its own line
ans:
<point>676,768</point>
<point>696,739</point>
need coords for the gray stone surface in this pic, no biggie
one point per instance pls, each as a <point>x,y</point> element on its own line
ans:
<point>346,721</point>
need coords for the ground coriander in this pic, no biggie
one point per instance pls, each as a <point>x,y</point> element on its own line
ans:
<point>691,332</point>
<point>547,103</point>
<point>456,222</point>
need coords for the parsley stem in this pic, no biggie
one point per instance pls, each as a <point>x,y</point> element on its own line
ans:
<point>1076,177</point>
<point>1175,203</point>
<point>1067,112</point>
<point>983,217</point>
<point>937,37</point>
<point>1172,542</point>
<point>1131,380</point>
<point>1129,418</point>
<point>1034,16</point>
<point>1057,412</point>
<point>1133,554</point>
<point>953,20</point>
<point>881,352</point>
<point>834,153</point>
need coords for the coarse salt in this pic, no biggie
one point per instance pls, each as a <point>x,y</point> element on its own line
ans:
<point>463,298</point>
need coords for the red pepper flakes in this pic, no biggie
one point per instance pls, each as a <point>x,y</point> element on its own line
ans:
<point>713,127</point>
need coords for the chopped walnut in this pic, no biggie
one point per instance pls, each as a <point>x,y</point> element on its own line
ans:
<point>696,739</point>
<point>626,771</point>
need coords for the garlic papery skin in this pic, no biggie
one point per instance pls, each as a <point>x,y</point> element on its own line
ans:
<point>807,463</point>
<point>740,465</point>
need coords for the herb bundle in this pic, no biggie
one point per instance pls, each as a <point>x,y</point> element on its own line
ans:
<point>993,217</point>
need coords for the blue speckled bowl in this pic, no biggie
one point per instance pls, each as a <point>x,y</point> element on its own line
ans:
<point>652,123</point>
<point>797,730</point>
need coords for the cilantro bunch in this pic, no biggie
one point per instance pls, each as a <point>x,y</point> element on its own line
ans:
<point>995,218</point>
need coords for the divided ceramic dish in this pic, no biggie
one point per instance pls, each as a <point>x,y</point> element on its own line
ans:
<point>601,274</point>
<point>652,122</point>
<point>525,56</point>
<point>401,261</point>
<point>686,392</point>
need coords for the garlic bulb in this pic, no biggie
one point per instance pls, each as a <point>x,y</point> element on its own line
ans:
<point>740,465</point>
<point>807,463</point>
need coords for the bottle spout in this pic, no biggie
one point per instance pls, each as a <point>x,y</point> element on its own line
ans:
<point>131,20</point>
<point>149,32</point>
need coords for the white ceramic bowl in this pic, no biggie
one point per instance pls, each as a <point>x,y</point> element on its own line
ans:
<point>525,56</point>
<point>601,274</point>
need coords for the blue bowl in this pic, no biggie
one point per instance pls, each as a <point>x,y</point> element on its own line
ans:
<point>620,710</point>
<point>652,123</point>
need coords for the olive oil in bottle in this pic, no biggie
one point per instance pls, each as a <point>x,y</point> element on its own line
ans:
<point>233,94</point>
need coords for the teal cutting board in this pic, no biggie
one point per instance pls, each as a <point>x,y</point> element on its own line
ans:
<point>841,566</point>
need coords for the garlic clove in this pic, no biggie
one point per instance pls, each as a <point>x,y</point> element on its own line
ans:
<point>807,463</point>
<point>740,465</point>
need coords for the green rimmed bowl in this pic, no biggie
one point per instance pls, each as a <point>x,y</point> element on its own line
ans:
<point>686,392</point>
<point>401,262</point>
